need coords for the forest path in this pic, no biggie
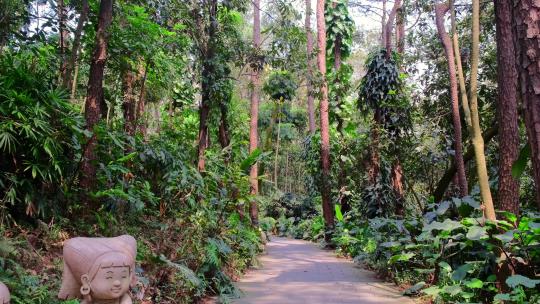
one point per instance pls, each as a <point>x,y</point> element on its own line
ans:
<point>295,271</point>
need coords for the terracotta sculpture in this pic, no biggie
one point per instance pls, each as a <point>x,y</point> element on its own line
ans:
<point>99,270</point>
<point>4,294</point>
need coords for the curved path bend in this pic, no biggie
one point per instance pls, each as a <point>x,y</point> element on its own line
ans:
<point>295,271</point>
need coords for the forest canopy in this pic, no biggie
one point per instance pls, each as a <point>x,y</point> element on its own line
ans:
<point>402,134</point>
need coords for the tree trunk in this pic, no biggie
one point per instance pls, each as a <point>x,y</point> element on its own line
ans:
<point>310,101</point>
<point>508,194</point>
<point>383,24</point>
<point>94,97</point>
<point>527,16</point>
<point>141,104</point>
<point>400,33</point>
<point>440,11</point>
<point>328,212</point>
<point>477,139</point>
<point>278,140</point>
<point>63,35</point>
<point>461,76</point>
<point>397,185</point>
<point>254,116</point>
<point>207,71</point>
<point>69,78</point>
<point>390,26</point>
<point>129,103</point>
<point>224,139</point>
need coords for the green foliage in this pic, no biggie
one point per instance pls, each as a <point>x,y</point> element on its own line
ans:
<point>281,86</point>
<point>381,86</point>
<point>40,133</point>
<point>339,27</point>
<point>451,247</point>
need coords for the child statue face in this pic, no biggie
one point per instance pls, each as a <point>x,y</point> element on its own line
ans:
<point>111,282</point>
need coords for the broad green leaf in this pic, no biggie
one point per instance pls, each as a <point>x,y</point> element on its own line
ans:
<point>474,283</point>
<point>476,233</point>
<point>444,265</point>
<point>452,290</point>
<point>432,291</point>
<point>400,257</point>
<point>517,280</point>
<point>506,237</point>
<point>461,272</point>
<point>519,165</point>
<point>447,225</point>
<point>414,289</point>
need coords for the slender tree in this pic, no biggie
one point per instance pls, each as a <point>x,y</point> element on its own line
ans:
<point>460,74</point>
<point>63,35</point>
<point>328,212</point>
<point>508,195</point>
<point>94,97</point>
<point>254,113</point>
<point>477,139</point>
<point>388,28</point>
<point>309,43</point>
<point>208,70</point>
<point>440,11</point>
<point>527,18</point>
<point>69,77</point>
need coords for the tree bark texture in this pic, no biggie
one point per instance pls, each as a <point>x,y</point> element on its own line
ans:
<point>527,23</point>
<point>141,103</point>
<point>207,71</point>
<point>63,35</point>
<point>254,115</point>
<point>508,195</point>
<point>129,103</point>
<point>440,11</point>
<point>328,212</point>
<point>400,33</point>
<point>94,97</point>
<point>477,139</point>
<point>390,26</point>
<point>309,43</point>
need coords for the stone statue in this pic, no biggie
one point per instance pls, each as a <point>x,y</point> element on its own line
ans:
<point>4,294</point>
<point>99,270</point>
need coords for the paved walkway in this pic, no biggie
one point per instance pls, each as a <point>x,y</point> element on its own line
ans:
<point>299,272</point>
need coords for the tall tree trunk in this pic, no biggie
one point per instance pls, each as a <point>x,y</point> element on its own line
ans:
<point>141,103</point>
<point>254,116</point>
<point>224,139</point>
<point>129,103</point>
<point>440,11</point>
<point>527,17</point>
<point>477,139</point>
<point>310,101</point>
<point>69,78</point>
<point>207,71</point>
<point>507,108</point>
<point>278,140</point>
<point>461,76</point>
<point>400,33</point>
<point>63,35</point>
<point>94,97</point>
<point>390,26</point>
<point>397,14</point>
<point>328,212</point>
<point>383,24</point>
